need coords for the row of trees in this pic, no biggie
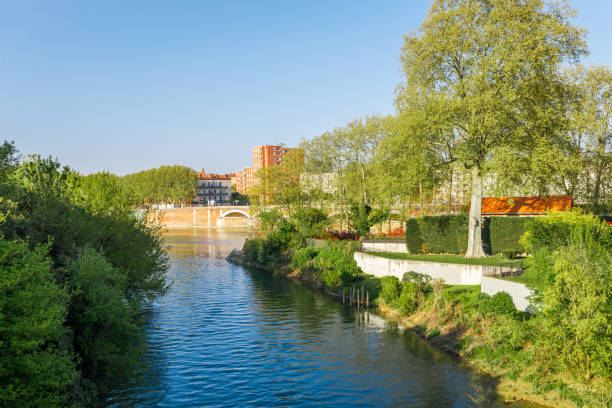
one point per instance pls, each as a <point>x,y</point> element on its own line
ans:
<point>75,269</point>
<point>165,184</point>
<point>492,95</point>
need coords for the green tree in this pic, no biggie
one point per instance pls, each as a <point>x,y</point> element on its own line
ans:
<point>36,366</point>
<point>590,132</point>
<point>310,221</point>
<point>576,304</point>
<point>107,333</point>
<point>363,217</point>
<point>484,74</point>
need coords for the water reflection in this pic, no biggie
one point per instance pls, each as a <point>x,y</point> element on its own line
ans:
<point>226,336</point>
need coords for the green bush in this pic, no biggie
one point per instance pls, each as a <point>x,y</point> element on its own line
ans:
<point>252,248</point>
<point>335,269</point>
<point>444,234</point>
<point>414,241</point>
<point>311,221</point>
<point>407,301</point>
<point>34,369</point>
<point>421,280</point>
<point>553,231</point>
<point>301,258</point>
<point>574,301</point>
<point>390,288</point>
<point>504,234</point>
<point>501,303</point>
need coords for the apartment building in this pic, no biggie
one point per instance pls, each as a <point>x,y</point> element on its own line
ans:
<point>214,189</point>
<point>263,156</point>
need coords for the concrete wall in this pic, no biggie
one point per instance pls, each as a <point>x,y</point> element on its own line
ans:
<point>452,274</point>
<point>385,246</point>
<point>518,291</point>
<point>221,216</point>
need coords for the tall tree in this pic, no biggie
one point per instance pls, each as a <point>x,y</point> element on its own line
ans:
<point>591,128</point>
<point>484,74</point>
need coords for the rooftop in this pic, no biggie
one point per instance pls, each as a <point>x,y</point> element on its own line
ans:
<point>525,205</point>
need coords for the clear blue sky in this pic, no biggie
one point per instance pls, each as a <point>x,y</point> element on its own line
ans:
<point>129,85</point>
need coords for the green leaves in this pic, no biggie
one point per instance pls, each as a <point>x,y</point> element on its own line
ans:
<point>35,367</point>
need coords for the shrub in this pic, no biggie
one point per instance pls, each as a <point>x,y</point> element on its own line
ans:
<point>36,367</point>
<point>421,280</point>
<point>501,303</point>
<point>301,258</point>
<point>414,241</point>
<point>575,302</point>
<point>335,268</point>
<point>252,248</point>
<point>503,234</point>
<point>311,221</point>
<point>363,217</point>
<point>408,298</point>
<point>553,231</point>
<point>444,234</point>
<point>390,288</point>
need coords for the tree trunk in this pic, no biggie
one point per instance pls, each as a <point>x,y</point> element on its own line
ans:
<point>474,249</point>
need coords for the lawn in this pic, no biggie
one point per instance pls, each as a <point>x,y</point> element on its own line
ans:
<point>447,258</point>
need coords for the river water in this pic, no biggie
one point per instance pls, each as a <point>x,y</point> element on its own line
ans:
<point>228,336</point>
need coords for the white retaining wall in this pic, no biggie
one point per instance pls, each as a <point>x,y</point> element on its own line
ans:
<point>385,246</point>
<point>452,274</point>
<point>518,291</point>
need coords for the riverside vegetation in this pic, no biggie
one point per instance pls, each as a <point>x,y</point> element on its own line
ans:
<point>75,268</point>
<point>559,355</point>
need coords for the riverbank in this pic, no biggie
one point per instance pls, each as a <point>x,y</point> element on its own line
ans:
<point>449,323</point>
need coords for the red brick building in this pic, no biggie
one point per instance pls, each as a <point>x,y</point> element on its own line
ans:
<point>263,156</point>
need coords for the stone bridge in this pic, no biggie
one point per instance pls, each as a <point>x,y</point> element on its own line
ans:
<point>219,216</point>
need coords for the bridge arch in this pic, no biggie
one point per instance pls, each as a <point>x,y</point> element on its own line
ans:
<point>235,211</point>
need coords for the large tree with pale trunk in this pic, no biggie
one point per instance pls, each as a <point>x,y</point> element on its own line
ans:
<point>484,75</point>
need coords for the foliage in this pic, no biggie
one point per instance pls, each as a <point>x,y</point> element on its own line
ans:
<point>408,298</point>
<point>335,268</point>
<point>554,230</point>
<point>311,221</point>
<point>474,84</point>
<point>414,241</point>
<point>575,303</point>
<point>166,184</point>
<point>584,168</point>
<point>56,207</point>
<point>444,234</point>
<point>391,288</point>
<point>363,217</point>
<point>505,233</point>
<point>269,221</point>
<point>301,258</point>
<point>239,199</point>
<point>421,281</point>
<point>500,303</point>
<point>36,366</point>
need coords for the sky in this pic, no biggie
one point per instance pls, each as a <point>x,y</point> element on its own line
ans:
<point>124,86</point>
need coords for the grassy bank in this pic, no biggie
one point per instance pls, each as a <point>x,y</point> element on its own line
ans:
<point>447,258</point>
<point>487,332</point>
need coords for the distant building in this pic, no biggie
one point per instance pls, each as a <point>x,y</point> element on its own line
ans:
<point>525,206</point>
<point>214,189</point>
<point>263,156</point>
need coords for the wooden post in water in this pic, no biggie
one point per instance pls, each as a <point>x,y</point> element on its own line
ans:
<point>343,294</point>
<point>368,298</point>
<point>362,295</point>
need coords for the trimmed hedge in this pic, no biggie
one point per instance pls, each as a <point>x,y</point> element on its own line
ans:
<point>448,234</point>
<point>444,234</point>
<point>414,242</point>
<point>504,234</point>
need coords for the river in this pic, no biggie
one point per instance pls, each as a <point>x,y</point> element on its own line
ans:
<point>228,336</point>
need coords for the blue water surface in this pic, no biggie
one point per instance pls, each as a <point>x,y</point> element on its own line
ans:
<point>227,336</point>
